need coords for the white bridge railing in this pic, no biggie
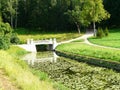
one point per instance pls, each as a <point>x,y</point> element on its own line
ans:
<point>42,42</point>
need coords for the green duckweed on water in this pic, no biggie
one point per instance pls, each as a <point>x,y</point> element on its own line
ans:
<point>80,76</point>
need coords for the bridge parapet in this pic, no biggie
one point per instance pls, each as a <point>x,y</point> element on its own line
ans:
<point>42,42</point>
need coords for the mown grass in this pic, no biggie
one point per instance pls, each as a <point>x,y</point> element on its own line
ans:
<point>25,34</point>
<point>113,40</point>
<point>90,51</point>
<point>18,71</point>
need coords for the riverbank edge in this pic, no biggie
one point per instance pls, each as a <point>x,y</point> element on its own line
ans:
<point>91,60</point>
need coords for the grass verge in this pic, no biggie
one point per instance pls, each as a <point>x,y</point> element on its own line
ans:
<point>18,71</point>
<point>113,40</point>
<point>25,34</point>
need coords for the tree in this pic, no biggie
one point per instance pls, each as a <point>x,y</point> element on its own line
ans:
<point>97,12</point>
<point>79,13</point>
<point>86,11</point>
<point>9,11</point>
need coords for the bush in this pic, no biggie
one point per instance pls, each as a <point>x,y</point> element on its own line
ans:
<point>100,33</point>
<point>4,43</point>
<point>14,39</point>
<point>106,31</point>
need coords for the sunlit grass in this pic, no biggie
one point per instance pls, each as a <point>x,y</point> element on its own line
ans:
<point>113,40</point>
<point>25,34</point>
<point>1,86</point>
<point>91,51</point>
<point>19,73</point>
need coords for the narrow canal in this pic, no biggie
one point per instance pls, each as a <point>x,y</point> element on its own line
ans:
<point>74,75</point>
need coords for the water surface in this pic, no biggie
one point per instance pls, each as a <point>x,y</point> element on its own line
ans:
<point>75,75</point>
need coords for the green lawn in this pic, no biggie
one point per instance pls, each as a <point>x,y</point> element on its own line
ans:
<point>113,40</point>
<point>90,51</point>
<point>25,34</point>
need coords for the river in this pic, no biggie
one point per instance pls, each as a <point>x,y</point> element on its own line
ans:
<point>74,75</point>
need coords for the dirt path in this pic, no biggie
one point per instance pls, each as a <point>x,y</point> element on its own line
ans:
<point>84,37</point>
<point>5,83</point>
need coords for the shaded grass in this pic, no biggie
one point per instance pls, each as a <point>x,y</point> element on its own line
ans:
<point>113,40</point>
<point>90,51</point>
<point>19,73</point>
<point>25,34</point>
<point>81,40</point>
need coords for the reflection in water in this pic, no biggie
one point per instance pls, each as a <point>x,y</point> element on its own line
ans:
<point>32,58</point>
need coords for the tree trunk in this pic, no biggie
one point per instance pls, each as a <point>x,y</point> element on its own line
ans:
<point>16,20</point>
<point>94,28</point>
<point>11,21</point>
<point>78,27</point>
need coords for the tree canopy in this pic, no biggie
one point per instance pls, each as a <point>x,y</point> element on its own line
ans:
<point>51,14</point>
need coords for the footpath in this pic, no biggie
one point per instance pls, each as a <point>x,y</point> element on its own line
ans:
<point>85,38</point>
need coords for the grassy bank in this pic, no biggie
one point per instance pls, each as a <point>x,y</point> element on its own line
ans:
<point>90,51</point>
<point>104,57</point>
<point>25,34</point>
<point>18,71</point>
<point>113,40</point>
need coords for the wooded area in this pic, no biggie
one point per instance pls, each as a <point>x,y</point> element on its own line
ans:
<point>59,14</point>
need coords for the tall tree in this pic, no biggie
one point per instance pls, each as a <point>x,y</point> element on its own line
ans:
<point>79,13</point>
<point>86,11</point>
<point>97,12</point>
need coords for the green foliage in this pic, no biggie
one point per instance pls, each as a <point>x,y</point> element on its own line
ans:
<point>0,18</point>
<point>14,39</point>
<point>106,31</point>
<point>100,33</point>
<point>97,11</point>
<point>4,43</point>
<point>5,31</point>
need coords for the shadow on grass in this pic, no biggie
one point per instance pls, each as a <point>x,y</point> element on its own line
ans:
<point>23,31</point>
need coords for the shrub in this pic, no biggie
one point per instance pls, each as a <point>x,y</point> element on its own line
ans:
<point>5,28</point>
<point>100,33</point>
<point>4,42</point>
<point>106,31</point>
<point>14,39</point>
<point>5,32</point>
